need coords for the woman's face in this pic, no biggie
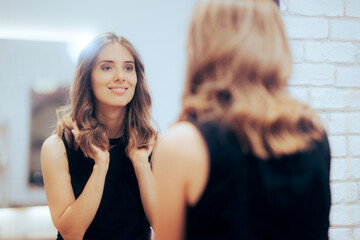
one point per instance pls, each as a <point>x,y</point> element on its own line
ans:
<point>113,77</point>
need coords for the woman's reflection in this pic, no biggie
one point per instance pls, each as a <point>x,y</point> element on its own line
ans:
<point>96,171</point>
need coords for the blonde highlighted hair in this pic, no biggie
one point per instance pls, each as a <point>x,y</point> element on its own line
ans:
<point>238,65</point>
<point>81,108</point>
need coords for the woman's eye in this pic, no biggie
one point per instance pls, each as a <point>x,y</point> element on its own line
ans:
<point>129,68</point>
<point>106,68</point>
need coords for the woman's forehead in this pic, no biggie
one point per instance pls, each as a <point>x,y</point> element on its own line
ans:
<point>115,52</point>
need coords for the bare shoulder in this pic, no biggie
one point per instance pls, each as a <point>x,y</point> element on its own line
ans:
<point>183,132</point>
<point>184,140</point>
<point>182,148</point>
<point>182,156</point>
<point>53,149</point>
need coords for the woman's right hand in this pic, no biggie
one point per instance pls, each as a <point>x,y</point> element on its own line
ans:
<point>101,158</point>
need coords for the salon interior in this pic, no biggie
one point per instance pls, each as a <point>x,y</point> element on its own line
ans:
<point>40,42</point>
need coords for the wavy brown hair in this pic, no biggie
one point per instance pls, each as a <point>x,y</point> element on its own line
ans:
<point>238,65</point>
<point>81,109</point>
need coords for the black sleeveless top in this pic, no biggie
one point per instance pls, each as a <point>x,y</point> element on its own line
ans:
<point>120,214</point>
<point>252,199</point>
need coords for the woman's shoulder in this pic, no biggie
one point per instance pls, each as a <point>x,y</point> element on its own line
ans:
<point>53,148</point>
<point>53,141</point>
<point>182,143</point>
<point>184,134</point>
<point>182,154</point>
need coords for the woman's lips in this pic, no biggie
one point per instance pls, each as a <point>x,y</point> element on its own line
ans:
<point>118,90</point>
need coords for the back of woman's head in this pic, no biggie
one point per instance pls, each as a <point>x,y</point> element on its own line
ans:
<point>238,66</point>
<point>82,102</point>
<point>244,38</point>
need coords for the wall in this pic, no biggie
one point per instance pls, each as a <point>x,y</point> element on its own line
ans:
<point>23,65</point>
<point>325,41</point>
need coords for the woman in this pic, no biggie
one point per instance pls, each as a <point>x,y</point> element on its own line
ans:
<point>256,161</point>
<point>96,171</point>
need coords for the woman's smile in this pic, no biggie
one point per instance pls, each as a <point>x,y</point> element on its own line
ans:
<point>118,90</point>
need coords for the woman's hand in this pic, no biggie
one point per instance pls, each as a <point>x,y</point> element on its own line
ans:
<point>141,155</point>
<point>101,158</point>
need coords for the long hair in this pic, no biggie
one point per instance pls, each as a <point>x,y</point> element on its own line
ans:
<point>81,109</point>
<point>238,65</point>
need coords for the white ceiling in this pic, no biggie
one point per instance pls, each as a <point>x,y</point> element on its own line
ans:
<point>93,17</point>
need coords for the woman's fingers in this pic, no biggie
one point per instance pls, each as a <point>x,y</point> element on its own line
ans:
<point>99,154</point>
<point>150,148</point>
<point>75,131</point>
<point>151,145</point>
<point>141,153</point>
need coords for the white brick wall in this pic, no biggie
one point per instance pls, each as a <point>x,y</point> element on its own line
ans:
<point>354,146</point>
<point>310,74</point>
<point>325,41</point>
<point>297,50</point>
<point>352,8</point>
<point>337,123</point>
<point>341,233</point>
<point>334,52</point>
<point>357,234</point>
<point>344,192</point>
<point>348,76</point>
<point>353,125</point>
<point>306,27</point>
<point>316,7</point>
<point>344,29</point>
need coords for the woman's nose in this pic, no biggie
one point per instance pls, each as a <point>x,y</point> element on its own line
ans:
<point>120,76</point>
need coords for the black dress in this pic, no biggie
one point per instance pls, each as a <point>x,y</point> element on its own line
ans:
<point>120,214</point>
<point>252,199</point>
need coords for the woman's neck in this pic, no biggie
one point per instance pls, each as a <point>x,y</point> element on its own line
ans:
<point>113,119</point>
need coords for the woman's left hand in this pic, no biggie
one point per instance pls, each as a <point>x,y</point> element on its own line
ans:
<point>141,155</point>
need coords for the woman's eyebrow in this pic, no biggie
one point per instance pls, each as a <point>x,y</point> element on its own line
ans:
<point>129,62</point>
<point>111,61</point>
<point>106,61</point>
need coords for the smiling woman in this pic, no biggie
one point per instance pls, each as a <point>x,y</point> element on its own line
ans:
<point>114,62</point>
<point>96,171</point>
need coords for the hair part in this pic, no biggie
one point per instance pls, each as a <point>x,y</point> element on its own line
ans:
<point>81,109</point>
<point>238,65</point>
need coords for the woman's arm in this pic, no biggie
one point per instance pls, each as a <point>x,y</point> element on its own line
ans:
<point>181,170</point>
<point>145,178</point>
<point>71,217</point>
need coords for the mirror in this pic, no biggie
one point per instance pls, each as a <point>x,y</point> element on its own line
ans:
<point>43,119</point>
<point>38,51</point>
<point>38,56</point>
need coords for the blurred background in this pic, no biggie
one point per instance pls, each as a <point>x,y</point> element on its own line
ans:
<point>39,44</point>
